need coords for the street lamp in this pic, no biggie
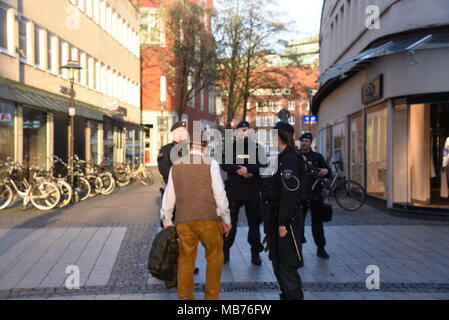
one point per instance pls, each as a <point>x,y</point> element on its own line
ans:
<point>72,67</point>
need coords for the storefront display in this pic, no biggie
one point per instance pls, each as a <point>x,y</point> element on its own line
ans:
<point>35,138</point>
<point>6,130</point>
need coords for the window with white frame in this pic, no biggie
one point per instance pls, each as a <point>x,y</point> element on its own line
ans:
<point>152,27</point>
<point>292,105</point>
<point>91,72</point>
<point>63,57</point>
<point>37,46</point>
<point>89,8</point>
<point>114,25</point>
<point>103,14</point>
<point>109,20</point>
<point>75,56</point>
<point>81,5</point>
<point>83,71</point>
<point>96,11</point>
<point>23,38</point>
<point>50,52</point>
<point>98,76</point>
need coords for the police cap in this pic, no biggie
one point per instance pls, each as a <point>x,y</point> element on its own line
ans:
<point>180,124</point>
<point>284,126</point>
<point>306,135</point>
<point>243,124</point>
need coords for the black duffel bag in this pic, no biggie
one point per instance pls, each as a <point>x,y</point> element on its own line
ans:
<point>163,259</point>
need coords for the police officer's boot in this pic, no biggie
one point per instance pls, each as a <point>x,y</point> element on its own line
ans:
<point>255,259</point>
<point>321,252</point>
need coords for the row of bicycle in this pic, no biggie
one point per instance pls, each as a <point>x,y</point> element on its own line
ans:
<point>49,189</point>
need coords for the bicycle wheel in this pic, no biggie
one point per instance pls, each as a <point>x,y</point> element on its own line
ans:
<point>45,195</point>
<point>108,183</point>
<point>96,185</point>
<point>66,193</point>
<point>6,196</point>
<point>122,177</point>
<point>82,188</point>
<point>145,179</point>
<point>350,195</point>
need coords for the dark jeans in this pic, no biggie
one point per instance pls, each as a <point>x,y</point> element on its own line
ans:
<point>253,215</point>
<point>289,281</point>
<point>317,223</point>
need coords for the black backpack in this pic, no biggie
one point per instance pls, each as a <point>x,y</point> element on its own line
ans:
<point>163,259</point>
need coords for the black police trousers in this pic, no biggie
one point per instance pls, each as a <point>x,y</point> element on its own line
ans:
<point>252,202</point>
<point>289,281</point>
<point>317,224</point>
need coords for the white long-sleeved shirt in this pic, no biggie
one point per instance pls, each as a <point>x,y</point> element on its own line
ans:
<point>169,199</point>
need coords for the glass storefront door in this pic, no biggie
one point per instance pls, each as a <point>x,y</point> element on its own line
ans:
<point>376,151</point>
<point>356,148</point>
<point>421,134</point>
<point>35,138</point>
<point>6,130</point>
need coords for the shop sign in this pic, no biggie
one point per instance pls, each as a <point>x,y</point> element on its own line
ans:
<point>373,91</point>
<point>5,117</point>
<point>313,120</point>
<point>31,124</point>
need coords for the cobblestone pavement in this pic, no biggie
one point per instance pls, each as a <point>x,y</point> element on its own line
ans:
<point>109,239</point>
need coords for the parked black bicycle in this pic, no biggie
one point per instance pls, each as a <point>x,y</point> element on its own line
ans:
<point>349,195</point>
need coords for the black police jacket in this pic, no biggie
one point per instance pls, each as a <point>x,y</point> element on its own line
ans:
<point>310,177</point>
<point>285,210</point>
<point>164,162</point>
<point>245,158</point>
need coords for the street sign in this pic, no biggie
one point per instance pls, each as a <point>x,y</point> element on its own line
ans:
<point>313,120</point>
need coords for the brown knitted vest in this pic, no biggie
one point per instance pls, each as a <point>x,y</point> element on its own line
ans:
<point>193,188</point>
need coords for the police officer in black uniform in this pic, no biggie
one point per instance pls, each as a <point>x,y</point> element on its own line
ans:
<point>164,161</point>
<point>312,199</point>
<point>243,188</point>
<point>284,223</point>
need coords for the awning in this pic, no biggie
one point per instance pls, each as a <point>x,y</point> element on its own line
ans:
<point>337,73</point>
<point>21,93</point>
<point>360,61</point>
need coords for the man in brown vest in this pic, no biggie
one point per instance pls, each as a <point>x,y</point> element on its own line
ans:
<point>196,188</point>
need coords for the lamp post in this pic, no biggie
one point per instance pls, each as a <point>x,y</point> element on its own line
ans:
<point>71,67</point>
<point>310,94</point>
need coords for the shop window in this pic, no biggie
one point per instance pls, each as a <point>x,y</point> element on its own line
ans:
<point>129,145</point>
<point>356,148</point>
<point>93,141</point>
<point>376,152</point>
<point>339,143</point>
<point>60,123</point>
<point>6,130</point>
<point>108,143</point>
<point>35,138</point>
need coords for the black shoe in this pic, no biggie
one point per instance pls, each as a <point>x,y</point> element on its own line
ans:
<point>196,271</point>
<point>321,252</point>
<point>226,256</point>
<point>255,259</point>
<point>282,297</point>
<point>304,240</point>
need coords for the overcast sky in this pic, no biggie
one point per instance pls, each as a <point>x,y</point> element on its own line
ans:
<point>305,13</point>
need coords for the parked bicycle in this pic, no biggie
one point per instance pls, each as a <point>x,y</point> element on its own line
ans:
<point>124,174</point>
<point>349,195</point>
<point>43,194</point>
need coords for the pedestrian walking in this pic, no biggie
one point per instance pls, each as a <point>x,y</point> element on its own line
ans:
<point>243,189</point>
<point>284,224</point>
<point>196,187</point>
<point>312,199</point>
